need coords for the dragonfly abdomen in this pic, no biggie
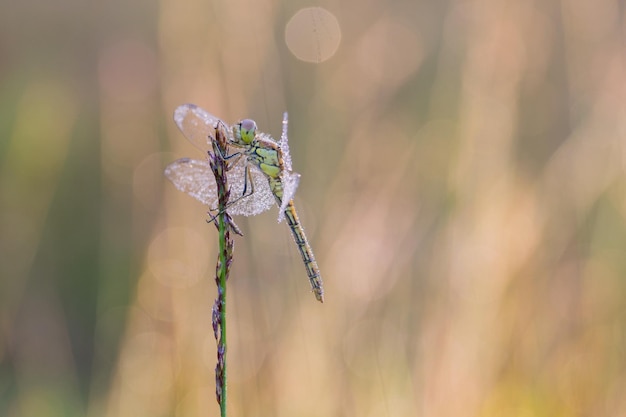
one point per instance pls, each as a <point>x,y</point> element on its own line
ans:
<point>312,270</point>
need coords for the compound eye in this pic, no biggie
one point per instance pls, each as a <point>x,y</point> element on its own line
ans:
<point>247,130</point>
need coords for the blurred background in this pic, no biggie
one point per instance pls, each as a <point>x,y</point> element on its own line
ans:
<point>463,188</point>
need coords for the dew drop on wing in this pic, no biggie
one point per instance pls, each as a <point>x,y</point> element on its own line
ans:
<point>290,181</point>
<point>194,178</point>
<point>284,144</point>
<point>251,204</point>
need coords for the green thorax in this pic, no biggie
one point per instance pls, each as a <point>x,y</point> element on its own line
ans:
<point>262,151</point>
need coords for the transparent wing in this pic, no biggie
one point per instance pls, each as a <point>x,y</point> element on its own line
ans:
<point>261,199</point>
<point>284,144</point>
<point>195,178</point>
<point>290,181</point>
<point>198,125</point>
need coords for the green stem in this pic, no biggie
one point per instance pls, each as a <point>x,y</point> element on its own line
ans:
<point>222,275</point>
<point>224,225</point>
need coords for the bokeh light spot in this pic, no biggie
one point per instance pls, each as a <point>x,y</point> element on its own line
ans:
<point>313,34</point>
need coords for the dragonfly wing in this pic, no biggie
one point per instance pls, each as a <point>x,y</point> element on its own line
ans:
<point>198,125</point>
<point>290,181</point>
<point>194,178</point>
<point>284,144</point>
<point>249,204</point>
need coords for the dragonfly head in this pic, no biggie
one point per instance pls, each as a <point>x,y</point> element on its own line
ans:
<point>245,131</point>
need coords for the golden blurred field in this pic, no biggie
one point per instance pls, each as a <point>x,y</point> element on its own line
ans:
<point>463,188</point>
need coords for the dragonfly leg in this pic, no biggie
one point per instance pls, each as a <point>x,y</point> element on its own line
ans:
<point>236,155</point>
<point>248,177</point>
<point>231,224</point>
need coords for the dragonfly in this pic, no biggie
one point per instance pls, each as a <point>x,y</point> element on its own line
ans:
<point>259,175</point>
